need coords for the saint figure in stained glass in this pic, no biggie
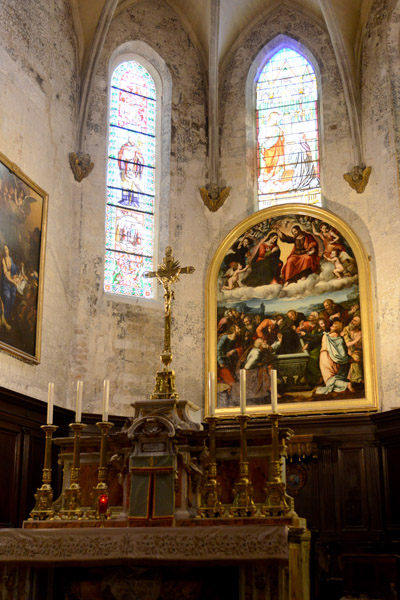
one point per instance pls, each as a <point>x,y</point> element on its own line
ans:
<point>287,131</point>
<point>130,162</point>
<point>131,181</point>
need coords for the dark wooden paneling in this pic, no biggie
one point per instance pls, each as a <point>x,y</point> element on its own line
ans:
<point>353,494</point>
<point>391,473</point>
<point>327,485</point>
<point>307,503</point>
<point>374,487</point>
<point>10,444</point>
<point>22,453</point>
<point>388,434</point>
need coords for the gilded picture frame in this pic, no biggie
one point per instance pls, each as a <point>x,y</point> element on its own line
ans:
<point>289,289</point>
<point>23,221</point>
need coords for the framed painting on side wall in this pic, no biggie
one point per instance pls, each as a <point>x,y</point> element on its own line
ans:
<point>289,289</point>
<point>23,213</point>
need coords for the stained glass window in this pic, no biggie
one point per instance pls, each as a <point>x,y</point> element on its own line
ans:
<point>130,182</point>
<point>287,131</point>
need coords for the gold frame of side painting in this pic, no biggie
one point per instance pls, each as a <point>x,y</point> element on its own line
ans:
<point>289,289</point>
<point>23,223</point>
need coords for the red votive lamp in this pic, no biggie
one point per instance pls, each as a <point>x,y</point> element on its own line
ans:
<point>103,504</point>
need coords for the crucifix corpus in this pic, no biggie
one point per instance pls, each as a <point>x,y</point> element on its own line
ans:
<point>168,273</point>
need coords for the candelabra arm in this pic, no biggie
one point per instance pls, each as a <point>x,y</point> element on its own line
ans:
<point>277,501</point>
<point>243,503</point>
<point>211,505</point>
<point>44,495</point>
<point>99,494</point>
<point>72,495</point>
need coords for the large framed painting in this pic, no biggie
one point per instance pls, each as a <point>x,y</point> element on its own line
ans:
<point>289,289</point>
<point>23,213</point>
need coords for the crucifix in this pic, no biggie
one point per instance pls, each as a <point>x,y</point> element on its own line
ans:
<point>168,273</point>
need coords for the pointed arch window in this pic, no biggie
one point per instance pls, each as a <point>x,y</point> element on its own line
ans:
<point>287,131</point>
<point>131,181</point>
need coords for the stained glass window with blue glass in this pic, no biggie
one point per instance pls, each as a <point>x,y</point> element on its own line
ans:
<point>287,131</point>
<point>130,182</point>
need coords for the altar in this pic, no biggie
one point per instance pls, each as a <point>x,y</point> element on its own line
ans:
<point>106,555</point>
<point>257,557</point>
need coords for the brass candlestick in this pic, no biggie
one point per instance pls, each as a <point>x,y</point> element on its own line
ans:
<point>211,505</point>
<point>72,495</point>
<point>44,495</point>
<point>243,504</point>
<point>277,502</point>
<point>101,489</point>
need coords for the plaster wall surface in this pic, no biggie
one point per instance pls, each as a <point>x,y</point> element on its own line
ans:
<point>122,340</point>
<point>379,206</point>
<point>91,336</point>
<point>38,102</point>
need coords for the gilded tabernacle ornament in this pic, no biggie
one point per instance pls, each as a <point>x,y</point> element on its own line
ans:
<point>167,274</point>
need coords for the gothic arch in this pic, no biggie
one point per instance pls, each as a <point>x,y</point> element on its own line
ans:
<point>237,137</point>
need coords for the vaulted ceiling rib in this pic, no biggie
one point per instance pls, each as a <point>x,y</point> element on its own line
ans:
<point>344,20</point>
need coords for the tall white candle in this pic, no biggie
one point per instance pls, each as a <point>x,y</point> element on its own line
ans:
<point>50,403</point>
<point>243,391</point>
<point>211,392</point>
<point>78,408</point>
<point>274,392</point>
<point>106,399</point>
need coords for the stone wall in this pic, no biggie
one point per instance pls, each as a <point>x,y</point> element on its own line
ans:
<point>89,335</point>
<point>379,205</point>
<point>38,104</point>
<point>122,340</point>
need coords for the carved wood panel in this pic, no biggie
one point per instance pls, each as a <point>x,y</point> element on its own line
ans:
<point>391,462</point>
<point>22,453</point>
<point>353,493</point>
<point>10,444</point>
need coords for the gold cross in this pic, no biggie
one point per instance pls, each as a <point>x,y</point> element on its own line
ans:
<point>168,273</point>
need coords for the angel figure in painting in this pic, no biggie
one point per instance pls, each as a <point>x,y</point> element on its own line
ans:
<point>233,276</point>
<point>329,237</point>
<point>23,203</point>
<point>338,268</point>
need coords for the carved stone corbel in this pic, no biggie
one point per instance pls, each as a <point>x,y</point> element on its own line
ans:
<point>213,196</point>
<point>358,178</point>
<point>81,165</point>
